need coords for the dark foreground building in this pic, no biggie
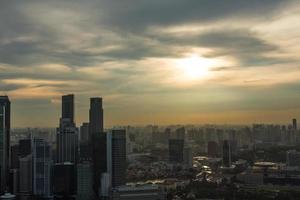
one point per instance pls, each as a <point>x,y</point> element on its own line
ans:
<point>116,157</point>
<point>176,150</point>
<point>4,141</point>
<point>64,181</point>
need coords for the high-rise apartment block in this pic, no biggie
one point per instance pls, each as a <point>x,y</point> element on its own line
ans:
<point>116,157</point>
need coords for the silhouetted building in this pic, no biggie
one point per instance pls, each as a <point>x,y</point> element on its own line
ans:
<point>24,147</point>
<point>226,154</point>
<point>96,115</point>
<point>67,108</point>
<point>212,148</point>
<point>67,142</point>
<point>116,157</point>
<point>67,133</point>
<point>295,124</point>
<point>84,132</point>
<point>84,181</point>
<point>97,142</point>
<point>25,177</point>
<point>176,150</point>
<point>14,157</point>
<point>64,181</point>
<point>85,149</point>
<point>99,159</point>
<point>188,156</point>
<point>4,141</point>
<point>180,133</point>
<point>166,136</point>
<point>41,168</point>
<point>14,181</point>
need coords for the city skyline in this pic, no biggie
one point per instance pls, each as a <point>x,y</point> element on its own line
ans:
<point>189,63</point>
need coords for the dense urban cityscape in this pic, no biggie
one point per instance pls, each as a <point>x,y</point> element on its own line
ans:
<point>261,161</point>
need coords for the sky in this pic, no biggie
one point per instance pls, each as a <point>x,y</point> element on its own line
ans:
<point>152,61</point>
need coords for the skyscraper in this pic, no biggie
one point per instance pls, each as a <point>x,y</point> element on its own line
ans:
<point>99,159</point>
<point>25,177</point>
<point>4,141</point>
<point>84,132</point>
<point>67,142</point>
<point>41,168</point>
<point>84,181</point>
<point>226,154</point>
<point>96,115</point>
<point>176,150</point>
<point>116,157</point>
<point>64,181</point>
<point>295,124</point>
<point>97,141</point>
<point>67,133</point>
<point>67,108</point>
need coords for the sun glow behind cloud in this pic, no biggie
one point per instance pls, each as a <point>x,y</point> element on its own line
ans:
<point>196,67</point>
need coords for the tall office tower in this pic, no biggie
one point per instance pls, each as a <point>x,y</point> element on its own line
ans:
<point>116,157</point>
<point>212,149</point>
<point>226,154</point>
<point>24,147</point>
<point>166,135</point>
<point>84,144</point>
<point>67,142</point>
<point>295,124</point>
<point>84,132</point>
<point>67,108</point>
<point>180,133</point>
<point>14,157</point>
<point>4,141</point>
<point>188,156</point>
<point>25,177</point>
<point>67,133</point>
<point>176,150</point>
<point>96,115</point>
<point>99,159</point>
<point>64,181</point>
<point>97,142</point>
<point>84,181</point>
<point>41,168</point>
<point>14,181</point>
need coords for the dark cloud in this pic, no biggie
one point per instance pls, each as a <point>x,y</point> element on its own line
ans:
<point>242,44</point>
<point>121,17</point>
<point>138,14</point>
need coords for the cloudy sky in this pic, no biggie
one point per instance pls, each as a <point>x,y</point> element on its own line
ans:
<point>153,61</point>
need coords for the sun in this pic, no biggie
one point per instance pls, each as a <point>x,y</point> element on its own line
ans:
<point>195,67</point>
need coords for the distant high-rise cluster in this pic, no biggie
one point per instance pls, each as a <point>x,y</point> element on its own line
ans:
<point>88,158</point>
<point>84,165</point>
